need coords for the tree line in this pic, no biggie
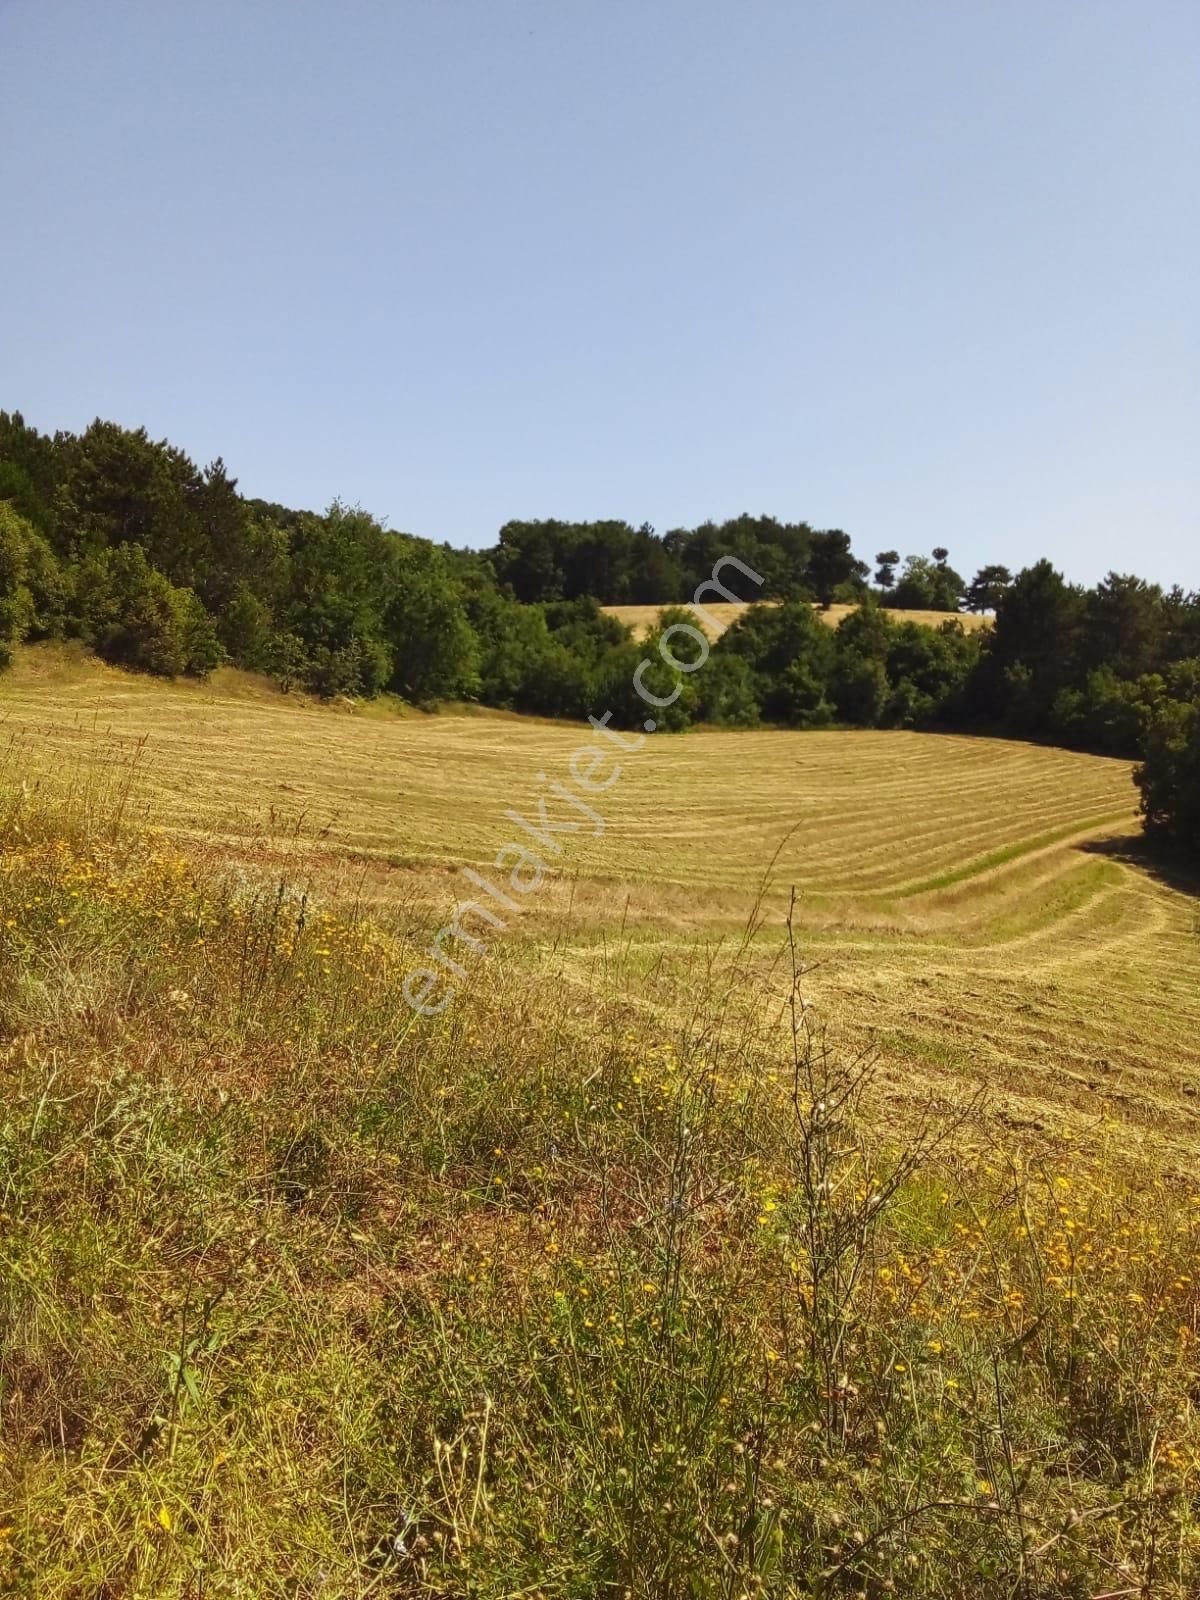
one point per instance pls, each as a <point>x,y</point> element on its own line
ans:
<point>162,566</point>
<point>617,564</point>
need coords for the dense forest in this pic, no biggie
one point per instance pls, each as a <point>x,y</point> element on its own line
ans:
<point>161,566</point>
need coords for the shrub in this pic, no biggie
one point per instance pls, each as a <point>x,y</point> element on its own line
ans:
<point>31,586</point>
<point>1169,776</point>
<point>860,689</point>
<point>725,693</point>
<point>244,629</point>
<point>131,615</point>
<point>790,653</point>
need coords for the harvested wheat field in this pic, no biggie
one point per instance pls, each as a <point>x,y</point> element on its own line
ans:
<point>721,613</point>
<point>980,911</point>
<point>305,1294</point>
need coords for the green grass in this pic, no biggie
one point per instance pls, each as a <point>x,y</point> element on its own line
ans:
<point>1012,852</point>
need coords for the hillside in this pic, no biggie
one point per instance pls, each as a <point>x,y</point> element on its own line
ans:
<point>980,908</point>
<point>674,1252</point>
<point>123,544</point>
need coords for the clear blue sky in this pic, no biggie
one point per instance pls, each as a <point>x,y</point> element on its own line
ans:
<point>927,272</point>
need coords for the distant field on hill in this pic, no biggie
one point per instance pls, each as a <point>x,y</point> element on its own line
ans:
<point>642,618</point>
<point>981,909</point>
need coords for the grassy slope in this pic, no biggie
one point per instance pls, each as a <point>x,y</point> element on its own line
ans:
<point>590,1286</point>
<point>981,907</point>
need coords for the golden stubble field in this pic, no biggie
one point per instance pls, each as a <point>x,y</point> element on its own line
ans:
<point>981,911</point>
<point>720,614</point>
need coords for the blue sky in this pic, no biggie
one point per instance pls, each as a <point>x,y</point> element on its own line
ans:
<point>925,272</point>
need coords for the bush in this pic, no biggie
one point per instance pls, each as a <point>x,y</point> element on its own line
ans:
<point>132,615</point>
<point>433,649</point>
<point>244,629</point>
<point>286,659</point>
<point>614,689</point>
<point>725,693</point>
<point>930,668</point>
<point>361,667</point>
<point>1169,776</point>
<point>1108,713</point>
<point>521,667</point>
<point>790,653</point>
<point>32,593</point>
<point>860,689</point>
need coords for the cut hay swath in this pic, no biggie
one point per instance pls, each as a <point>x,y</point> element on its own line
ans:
<point>980,909</point>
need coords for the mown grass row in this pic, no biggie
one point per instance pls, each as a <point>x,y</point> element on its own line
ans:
<point>300,1295</point>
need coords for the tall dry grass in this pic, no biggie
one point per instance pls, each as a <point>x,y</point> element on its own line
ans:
<point>301,1295</point>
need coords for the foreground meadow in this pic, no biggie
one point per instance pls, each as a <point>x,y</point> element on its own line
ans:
<point>631,1273</point>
